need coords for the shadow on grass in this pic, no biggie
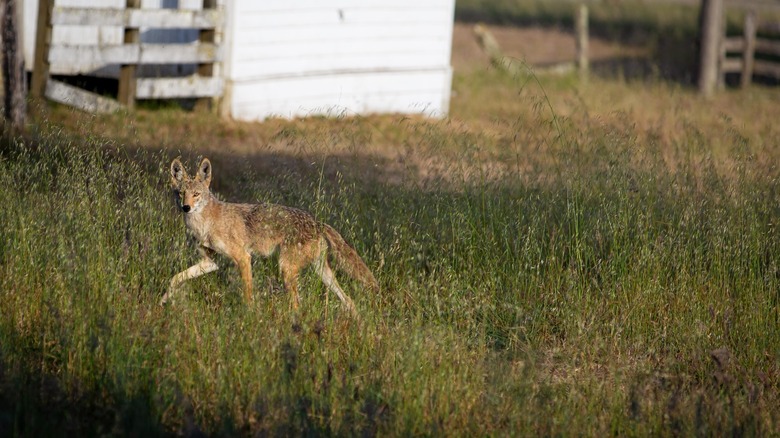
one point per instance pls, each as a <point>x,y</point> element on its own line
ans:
<point>33,402</point>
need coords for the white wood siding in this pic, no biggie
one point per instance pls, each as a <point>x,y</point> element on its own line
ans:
<point>415,92</point>
<point>303,57</point>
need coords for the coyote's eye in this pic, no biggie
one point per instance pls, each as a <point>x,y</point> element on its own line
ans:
<point>196,194</point>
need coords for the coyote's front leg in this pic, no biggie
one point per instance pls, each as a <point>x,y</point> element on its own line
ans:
<point>204,266</point>
<point>243,261</point>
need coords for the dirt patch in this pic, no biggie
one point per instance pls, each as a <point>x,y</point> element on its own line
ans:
<point>535,45</point>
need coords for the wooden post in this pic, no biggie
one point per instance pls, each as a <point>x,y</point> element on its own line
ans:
<point>583,64</point>
<point>207,69</point>
<point>126,94</point>
<point>489,45</point>
<point>14,76</point>
<point>748,57</point>
<point>40,73</point>
<point>711,34</point>
<point>3,74</point>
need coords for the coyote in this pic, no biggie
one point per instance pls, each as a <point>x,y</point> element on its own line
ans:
<point>239,230</point>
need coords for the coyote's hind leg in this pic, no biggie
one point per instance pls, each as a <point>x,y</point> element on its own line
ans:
<point>291,262</point>
<point>290,276</point>
<point>326,273</point>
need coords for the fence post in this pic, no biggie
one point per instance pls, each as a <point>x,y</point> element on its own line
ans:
<point>582,41</point>
<point>3,74</point>
<point>14,76</point>
<point>711,34</point>
<point>127,72</point>
<point>748,57</point>
<point>207,69</point>
<point>40,73</point>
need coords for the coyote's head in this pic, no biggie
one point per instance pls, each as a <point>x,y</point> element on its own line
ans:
<point>191,193</point>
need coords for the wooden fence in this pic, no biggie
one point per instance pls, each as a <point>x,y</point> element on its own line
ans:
<point>739,53</point>
<point>721,54</point>
<point>204,53</point>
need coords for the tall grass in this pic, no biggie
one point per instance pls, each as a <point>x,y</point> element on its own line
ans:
<point>586,287</point>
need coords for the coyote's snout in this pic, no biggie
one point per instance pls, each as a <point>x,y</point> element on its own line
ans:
<point>240,230</point>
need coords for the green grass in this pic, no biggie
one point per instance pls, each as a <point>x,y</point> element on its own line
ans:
<point>580,277</point>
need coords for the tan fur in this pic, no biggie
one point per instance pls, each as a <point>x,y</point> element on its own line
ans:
<point>240,230</point>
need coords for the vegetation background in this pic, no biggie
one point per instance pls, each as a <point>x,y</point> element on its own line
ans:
<point>557,258</point>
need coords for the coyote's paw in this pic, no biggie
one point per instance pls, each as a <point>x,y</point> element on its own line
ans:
<point>352,310</point>
<point>168,297</point>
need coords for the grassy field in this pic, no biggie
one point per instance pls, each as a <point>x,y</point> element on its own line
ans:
<point>556,258</point>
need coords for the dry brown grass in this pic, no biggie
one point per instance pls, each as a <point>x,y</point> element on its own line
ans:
<point>501,123</point>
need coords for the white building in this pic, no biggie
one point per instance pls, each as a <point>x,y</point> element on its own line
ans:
<point>291,58</point>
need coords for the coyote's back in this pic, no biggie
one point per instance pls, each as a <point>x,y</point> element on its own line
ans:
<point>240,230</point>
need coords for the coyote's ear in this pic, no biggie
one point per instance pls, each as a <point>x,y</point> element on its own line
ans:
<point>177,172</point>
<point>204,171</point>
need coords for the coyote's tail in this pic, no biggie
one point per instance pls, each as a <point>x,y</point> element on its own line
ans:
<point>348,260</point>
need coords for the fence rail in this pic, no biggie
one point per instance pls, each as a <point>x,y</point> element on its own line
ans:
<point>135,53</point>
<point>170,88</point>
<point>157,18</point>
<point>762,5</point>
